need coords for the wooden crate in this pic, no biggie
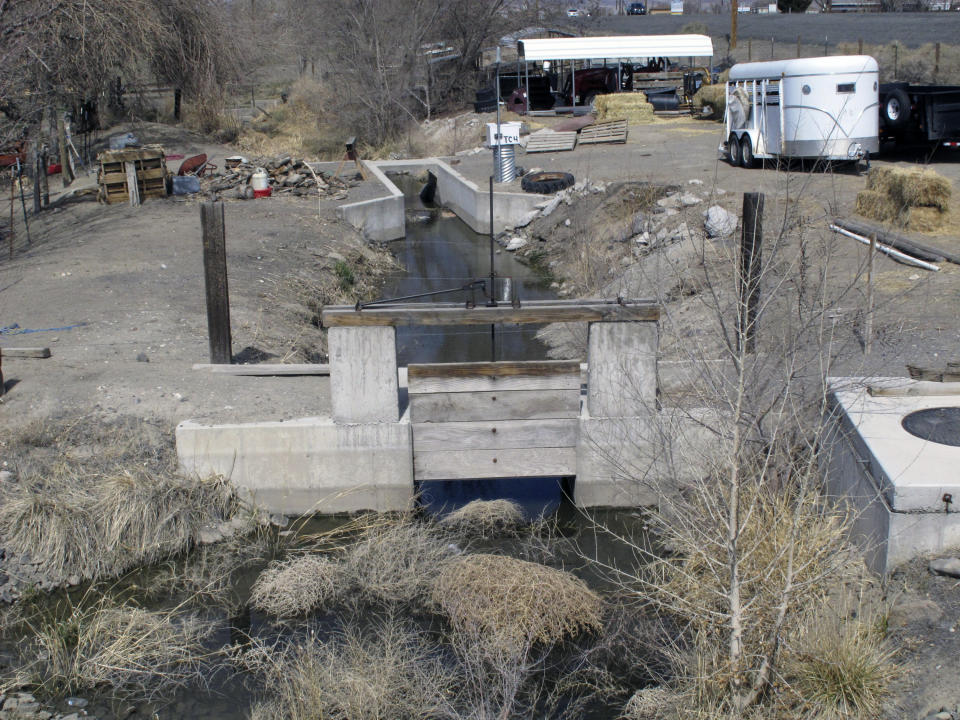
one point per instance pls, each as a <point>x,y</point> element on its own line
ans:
<point>151,169</point>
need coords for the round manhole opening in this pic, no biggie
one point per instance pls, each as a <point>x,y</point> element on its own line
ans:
<point>939,425</point>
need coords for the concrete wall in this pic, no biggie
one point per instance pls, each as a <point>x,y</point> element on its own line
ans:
<point>886,537</point>
<point>383,219</point>
<point>306,465</point>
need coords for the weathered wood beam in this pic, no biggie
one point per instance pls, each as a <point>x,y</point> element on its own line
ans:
<point>346,316</point>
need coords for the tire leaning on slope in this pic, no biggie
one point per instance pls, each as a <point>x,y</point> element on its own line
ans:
<point>546,183</point>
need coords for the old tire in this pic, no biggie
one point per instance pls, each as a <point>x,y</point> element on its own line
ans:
<point>733,150</point>
<point>545,183</point>
<point>746,152</point>
<point>896,108</point>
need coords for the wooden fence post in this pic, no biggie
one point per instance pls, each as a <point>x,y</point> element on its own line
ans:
<point>751,267</point>
<point>215,275</point>
<point>936,61</point>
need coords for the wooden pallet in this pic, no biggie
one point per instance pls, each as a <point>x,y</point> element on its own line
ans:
<point>550,141</point>
<point>613,131</point>
<point>151,168</point>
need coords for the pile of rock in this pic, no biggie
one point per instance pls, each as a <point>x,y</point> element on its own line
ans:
<point>24,706</point>
<point>286,175</point>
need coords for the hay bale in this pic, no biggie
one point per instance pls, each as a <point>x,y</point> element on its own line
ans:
<point>714,97</point>
<point>925,219</point>
<point>632,106</point>
<point>485,518</point>
<point>880,179</point>
<point>512,603</point>
<point>296,587</point>
<point>924,188</point>
<point>875,205</point>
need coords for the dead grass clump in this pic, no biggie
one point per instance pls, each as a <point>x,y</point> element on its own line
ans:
<point>630,106</point>
<point>395,565</point>
<point>125,650</point>
<point>513,603</point>
<point>485,518</point>
<point>297,586</point>
<point>840,668</point>
<point>105,525</point>
<point>389,673</point>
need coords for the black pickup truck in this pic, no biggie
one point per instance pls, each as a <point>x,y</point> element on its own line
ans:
<point>920,114</point>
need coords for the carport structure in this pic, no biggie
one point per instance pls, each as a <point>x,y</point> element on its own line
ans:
<point>617,48</point>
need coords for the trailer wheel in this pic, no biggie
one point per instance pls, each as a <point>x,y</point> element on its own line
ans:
<point>546,183</point>
<point>746,153</point>
<point>733,150</point>
<point>896,108</point>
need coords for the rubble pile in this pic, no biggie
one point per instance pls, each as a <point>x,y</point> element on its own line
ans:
<point>286,174</point>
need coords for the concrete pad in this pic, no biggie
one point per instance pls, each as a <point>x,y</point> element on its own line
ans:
<point>305,465</point>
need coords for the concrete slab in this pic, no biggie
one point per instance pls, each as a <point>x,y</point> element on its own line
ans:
<point>305,465</point>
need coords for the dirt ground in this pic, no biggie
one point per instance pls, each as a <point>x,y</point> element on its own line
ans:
<point>117,294</point>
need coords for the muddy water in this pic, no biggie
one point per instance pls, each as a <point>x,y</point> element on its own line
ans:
<point>439,252</point>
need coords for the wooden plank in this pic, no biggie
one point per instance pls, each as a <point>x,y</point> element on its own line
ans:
<point>266,369</point>
<point>346,315</point>
<point>550,141</point>
<point>114,178</point>
<point>509,405</point>
<point>470,464</point>
<point>494,377</point>
<point>26,352</point>
<point>364,382</point>
<point>495,434</point>
<point>613,131</point>
<point>132,190</point>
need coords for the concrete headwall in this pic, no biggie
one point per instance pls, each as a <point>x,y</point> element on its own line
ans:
<point>305,465</point>
<point>383,219</point>
<point>380,219</point>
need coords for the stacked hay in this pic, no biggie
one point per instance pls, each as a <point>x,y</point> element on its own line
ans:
<point>514,604</point>
<point>713,97</point>
<point>632,106</point>
<point>915,199</point>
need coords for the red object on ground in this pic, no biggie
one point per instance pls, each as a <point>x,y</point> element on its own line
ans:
<point>175,156</point>
<point>262,193</point>
<point>193,165</point>
<point>54,168</point>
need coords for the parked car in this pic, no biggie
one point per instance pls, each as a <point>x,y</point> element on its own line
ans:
<point>637,9</point>
<point>573,12</point>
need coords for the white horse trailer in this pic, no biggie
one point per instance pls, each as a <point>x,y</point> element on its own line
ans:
<point>825,108</point>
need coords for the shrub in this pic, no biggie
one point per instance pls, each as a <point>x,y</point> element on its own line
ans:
<point>395,565</point>
<point>125,650</point>
<point>513,603</point>
<point>485,518</point>
<point>297,586</point>
<point>389,673</point>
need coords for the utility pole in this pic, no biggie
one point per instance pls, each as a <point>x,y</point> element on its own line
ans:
<point>734,9</point>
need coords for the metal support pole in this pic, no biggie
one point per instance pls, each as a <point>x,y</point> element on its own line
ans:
<point>491,292</point>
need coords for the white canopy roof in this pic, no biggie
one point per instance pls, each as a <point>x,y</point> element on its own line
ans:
<point>774,69</point>
<point>620,46</point>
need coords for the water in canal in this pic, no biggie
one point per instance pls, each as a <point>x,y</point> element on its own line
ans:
<point>439,252</point>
